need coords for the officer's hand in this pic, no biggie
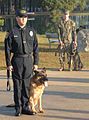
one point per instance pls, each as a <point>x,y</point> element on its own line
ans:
<point>75,44</point>
<point>10,68</point>
<point>61,43</point>
<point>35,67</point>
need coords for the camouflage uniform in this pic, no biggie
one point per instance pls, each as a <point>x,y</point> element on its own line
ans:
<point>67,33</point>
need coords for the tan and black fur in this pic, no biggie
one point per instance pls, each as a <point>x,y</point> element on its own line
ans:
<point>37,85</point>
<point>75,61</point>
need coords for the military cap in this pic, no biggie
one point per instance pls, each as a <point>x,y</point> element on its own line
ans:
<point>21,13</point>
<point>66,12</point>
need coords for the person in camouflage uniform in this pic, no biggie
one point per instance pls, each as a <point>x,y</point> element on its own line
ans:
<point>67,34</point>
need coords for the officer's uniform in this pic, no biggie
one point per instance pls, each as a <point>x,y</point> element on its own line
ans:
<point>24,46</point>
<point>67,33</point>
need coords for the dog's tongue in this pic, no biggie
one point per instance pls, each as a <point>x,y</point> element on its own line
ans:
<point>46,84</point>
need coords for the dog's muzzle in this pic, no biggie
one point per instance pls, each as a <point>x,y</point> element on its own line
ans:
<point>46,83</point>
<point>44,80</point>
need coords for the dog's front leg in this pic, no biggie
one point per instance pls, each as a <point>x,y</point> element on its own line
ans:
<point>32,105</point>
<point>40,105</point>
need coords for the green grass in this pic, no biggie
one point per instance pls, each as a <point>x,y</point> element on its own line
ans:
<point>47,56</point>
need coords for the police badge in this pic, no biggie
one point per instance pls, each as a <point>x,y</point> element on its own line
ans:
<point>31,33</point>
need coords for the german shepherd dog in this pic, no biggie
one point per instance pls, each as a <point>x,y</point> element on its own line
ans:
<point>75,61</point>
<point>37,84</point>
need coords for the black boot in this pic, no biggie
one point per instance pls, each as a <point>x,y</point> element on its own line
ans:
<point>27,111</point>
<point>18,112</point>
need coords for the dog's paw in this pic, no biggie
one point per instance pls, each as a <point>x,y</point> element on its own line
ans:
<point>41,111</point>
<point>34,111</point>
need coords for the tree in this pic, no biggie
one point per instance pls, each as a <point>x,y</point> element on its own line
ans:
<point>60,5</point>
<point>56,7</point>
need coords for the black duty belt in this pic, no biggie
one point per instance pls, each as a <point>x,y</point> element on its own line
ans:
<point>22,55</point>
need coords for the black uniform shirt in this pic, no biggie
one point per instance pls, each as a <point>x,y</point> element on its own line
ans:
<point>14,43</point>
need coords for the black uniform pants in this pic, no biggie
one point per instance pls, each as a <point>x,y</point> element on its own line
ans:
<point>22,70</point>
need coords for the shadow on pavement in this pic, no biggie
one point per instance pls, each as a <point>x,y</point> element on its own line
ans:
<point>60,79</point>
<point>72,95</point>
<point>64,117</point>
<point>68,110</point>
<point>6,111</point>
<point>3,90</point>
<point>56,69</point>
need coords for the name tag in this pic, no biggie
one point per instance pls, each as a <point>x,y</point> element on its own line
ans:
<point>15,36</point>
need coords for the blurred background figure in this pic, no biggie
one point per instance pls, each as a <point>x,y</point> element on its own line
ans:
<point>67,33</point>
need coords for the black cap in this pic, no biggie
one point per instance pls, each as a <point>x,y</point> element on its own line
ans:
<point>21,13</point>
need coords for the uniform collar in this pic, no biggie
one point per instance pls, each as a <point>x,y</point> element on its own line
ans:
<point>20,27</point>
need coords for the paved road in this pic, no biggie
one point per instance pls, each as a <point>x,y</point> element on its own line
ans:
<point>66,97</point>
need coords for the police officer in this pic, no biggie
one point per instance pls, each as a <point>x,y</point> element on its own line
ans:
<point>67,33</point>
<point>22,42</point>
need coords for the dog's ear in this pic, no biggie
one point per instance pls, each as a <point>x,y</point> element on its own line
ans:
<point>44,69</point>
